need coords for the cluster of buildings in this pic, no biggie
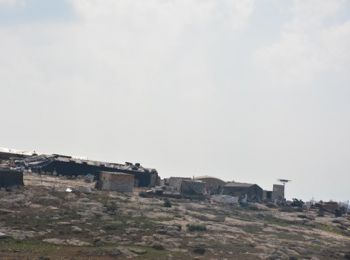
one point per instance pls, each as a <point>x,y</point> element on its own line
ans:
<point>109,176</point>
<point>229,191</point>
<point>124,177</point>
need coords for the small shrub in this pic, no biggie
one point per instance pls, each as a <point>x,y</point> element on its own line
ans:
<point>196,227</point>
<point>200,250</point>
<point>253,207</point>
<point>167,203</point>
<point>338,213</point>
<point>271,205</point>
<point>111,207</point>
<point>158,246</point>
<point>297,203</point>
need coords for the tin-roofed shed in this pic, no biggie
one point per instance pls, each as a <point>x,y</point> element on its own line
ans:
<point>253,192</point>
<point>68,166</point>
<point>213,185</point>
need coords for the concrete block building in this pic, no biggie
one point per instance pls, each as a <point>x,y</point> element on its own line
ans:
<point>278,192</point>
<point>113,181</point>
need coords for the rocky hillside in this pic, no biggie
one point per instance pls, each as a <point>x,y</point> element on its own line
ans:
<point>44,221</point>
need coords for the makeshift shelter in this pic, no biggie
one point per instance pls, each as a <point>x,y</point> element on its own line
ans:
<point>69,166</point>
<point>251,192</point>
<point>212,185</point>
<point>7,154</point>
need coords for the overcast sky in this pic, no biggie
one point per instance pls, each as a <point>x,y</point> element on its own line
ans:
<point>244,90</point>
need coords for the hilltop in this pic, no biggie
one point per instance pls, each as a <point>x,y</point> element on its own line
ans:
<point>44,220</point>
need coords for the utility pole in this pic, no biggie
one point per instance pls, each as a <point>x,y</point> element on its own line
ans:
<point>284,182</point>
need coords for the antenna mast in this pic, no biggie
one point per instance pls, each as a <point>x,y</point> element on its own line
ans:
<point>284,181</point>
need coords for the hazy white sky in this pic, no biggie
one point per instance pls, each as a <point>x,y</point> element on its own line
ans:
<point>243,90</point>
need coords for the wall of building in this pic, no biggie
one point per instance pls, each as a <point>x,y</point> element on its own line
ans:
<point>175,182</point>
<point>9,178</point>
<point>213,185</point>
<point>253,193</point>
<point>116,182</point>
<point>267,195</point>
<point>190,187</point>
<point>69,167</point>
<point>278,192</point>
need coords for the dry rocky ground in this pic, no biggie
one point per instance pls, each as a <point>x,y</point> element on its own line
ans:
<point>43,221</point>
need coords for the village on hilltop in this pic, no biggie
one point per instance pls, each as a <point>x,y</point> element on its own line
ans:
<point>128,176</point>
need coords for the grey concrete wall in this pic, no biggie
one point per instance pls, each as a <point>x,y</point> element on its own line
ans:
<point>175,182</point>
<point>278,192</point>
<point>190,187</point>
<point>116,182</point>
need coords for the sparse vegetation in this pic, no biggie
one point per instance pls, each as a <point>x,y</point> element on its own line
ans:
<point>196,227</point>
<point>104,225</point>
<point>167,203</point>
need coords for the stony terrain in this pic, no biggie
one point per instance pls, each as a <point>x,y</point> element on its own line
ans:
<point>43,221</point>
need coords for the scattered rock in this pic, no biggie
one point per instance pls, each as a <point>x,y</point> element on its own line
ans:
<point>71,242</point>
<point>167,203</point>
<point>84,189</point>
<point>115,252</point>
<point>55,241</point>
<point>76,242</point>
<point>98,242</point>
<point>76,229</point>
<point>199,249</point>
<point>171,230</point>
<point>7,211</point>
<point>138,251</point>
<point>3,235</point>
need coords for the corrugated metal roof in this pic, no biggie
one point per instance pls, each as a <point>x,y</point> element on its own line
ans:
<point>46,159</point>
<point>116,173</point>
<point>207,177</point>
<point>14,151</point>
<point>239,185</point>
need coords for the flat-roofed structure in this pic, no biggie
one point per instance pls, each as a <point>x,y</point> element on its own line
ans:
<point>115,181</point>
<point>278,192</point>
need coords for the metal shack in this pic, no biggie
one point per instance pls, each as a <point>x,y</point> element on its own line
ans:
<point>10,178</point>
<point>252,192</point>
<point>8,154</point>
<point>69,166</point>
<point>212,185</point>
<point>115,181</point>
<point>192,187</point>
